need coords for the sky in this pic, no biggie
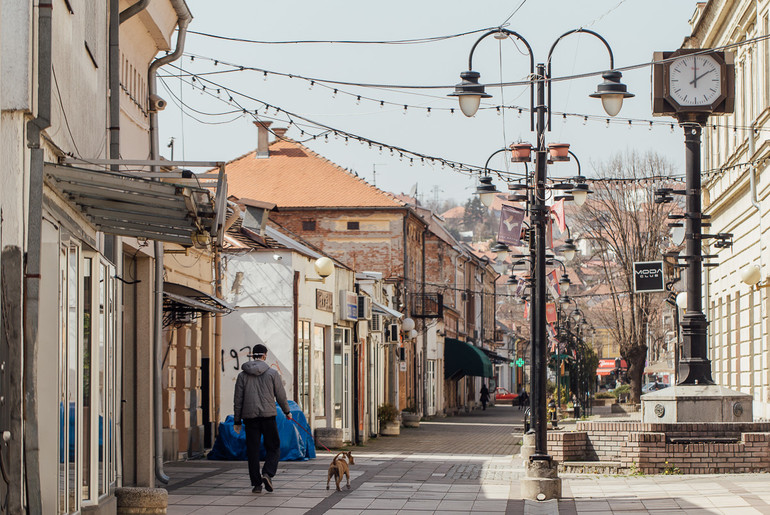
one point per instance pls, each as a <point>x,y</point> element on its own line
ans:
<point>633,28</point>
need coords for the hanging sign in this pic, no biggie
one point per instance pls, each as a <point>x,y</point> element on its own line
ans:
<point>648,277</point>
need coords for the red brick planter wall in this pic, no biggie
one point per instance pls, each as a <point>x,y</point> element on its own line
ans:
<point>646,446</point>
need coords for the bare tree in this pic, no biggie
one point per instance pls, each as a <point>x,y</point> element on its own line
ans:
<point>624,225</point>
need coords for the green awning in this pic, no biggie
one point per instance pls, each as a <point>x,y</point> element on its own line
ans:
<point>463,359</point>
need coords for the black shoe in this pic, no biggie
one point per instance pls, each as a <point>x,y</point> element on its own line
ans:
<point>257,489</point>
<point>268,482</point>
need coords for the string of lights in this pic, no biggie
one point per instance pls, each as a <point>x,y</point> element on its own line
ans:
<point>381,146</point>
<point>430,109</point>
<point>525,82</point>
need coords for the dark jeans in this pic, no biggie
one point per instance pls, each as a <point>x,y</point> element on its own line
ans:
<point>256,428</point>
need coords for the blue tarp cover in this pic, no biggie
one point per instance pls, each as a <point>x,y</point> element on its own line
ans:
<point>296,443</point>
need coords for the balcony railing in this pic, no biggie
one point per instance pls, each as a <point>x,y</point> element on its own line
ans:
<point>428,305</point>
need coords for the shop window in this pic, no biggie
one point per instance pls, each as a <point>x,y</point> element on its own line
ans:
<point>319,371</point>
<point>303,366</point>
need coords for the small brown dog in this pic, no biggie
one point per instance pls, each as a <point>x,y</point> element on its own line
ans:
<point>340,467</point>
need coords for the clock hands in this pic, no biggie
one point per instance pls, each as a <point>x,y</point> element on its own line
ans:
<point>694,82</point>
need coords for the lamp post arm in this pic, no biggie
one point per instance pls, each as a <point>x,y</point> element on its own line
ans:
<point>550,54</point>
<point>493,154</point>
<point>570,152</point>
<point>531,66</point>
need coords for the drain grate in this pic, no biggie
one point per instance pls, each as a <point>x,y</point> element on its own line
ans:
<point>490,472</point>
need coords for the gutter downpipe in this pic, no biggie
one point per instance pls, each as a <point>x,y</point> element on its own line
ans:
<point>114,135</point>
<point>184,18</point>
<point>32,273</point>
<point>133,10</point>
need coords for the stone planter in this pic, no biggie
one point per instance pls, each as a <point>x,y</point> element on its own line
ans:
<point>330,437</point>
<point>390,428</point>
<point>410,419</point>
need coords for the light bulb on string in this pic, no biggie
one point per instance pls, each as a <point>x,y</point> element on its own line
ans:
<point>326,138</point>
<point>334,95</point>
<point>216,62</point>
<point>264,78</point>
<point>499,111</point>
<point>404,108</point>
<point>310,87</point>
<point>650,128</point>
<point>411,162</point>
<point>608,123</point>
<point>346,141</point>
<point>380,149</point>
<point>358,100</point>
<point>672,127</point>
<point>630,125</point>
<point>427,113</point>
<point>519,114</point>
<point>382,104</point>
<point>585,120</point>
<point>452,110</point>
<point>564,118</point>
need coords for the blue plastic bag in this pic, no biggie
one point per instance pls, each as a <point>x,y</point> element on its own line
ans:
<point>296,443</point>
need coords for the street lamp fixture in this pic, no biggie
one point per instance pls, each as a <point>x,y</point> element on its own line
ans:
<point>469,92</point>
<point>612,92</point>
<point>501,249</point>
<point>568,250</point>
<point>486,190</point>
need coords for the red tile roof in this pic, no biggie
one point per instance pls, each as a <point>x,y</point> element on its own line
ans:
<point>295,176</point>
<point>455,212</point>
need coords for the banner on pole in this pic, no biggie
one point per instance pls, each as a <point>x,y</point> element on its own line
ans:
<point>511,219</point>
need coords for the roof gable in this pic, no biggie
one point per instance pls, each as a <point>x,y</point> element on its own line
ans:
<point>295,176</point>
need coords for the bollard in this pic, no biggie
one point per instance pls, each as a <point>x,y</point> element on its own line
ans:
<point>140,500</point>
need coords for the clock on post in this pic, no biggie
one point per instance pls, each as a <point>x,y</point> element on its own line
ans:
<point>691,84</point>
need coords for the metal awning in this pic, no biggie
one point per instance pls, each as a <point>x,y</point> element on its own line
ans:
<point>182,303</point>
<point>128,204</point>
<point>385,310</point>
<point>495,357</point>
<point>463,359</point>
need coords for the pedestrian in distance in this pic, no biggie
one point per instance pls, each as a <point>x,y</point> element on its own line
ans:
<point>484,396</point>
<point>523,399</point>
<point>257,389</point>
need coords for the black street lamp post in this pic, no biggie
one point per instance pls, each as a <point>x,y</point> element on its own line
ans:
<point>469,92</point>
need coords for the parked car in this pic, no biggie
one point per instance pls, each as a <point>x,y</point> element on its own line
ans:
<point>652,387</point>
<point>503,395</point>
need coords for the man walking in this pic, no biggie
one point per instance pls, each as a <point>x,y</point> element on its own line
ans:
<point>257,389</point>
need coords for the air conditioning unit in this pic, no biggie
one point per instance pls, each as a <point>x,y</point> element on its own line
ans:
<point>364,307</point>
<point>375,324</point>
<point>391,335</point>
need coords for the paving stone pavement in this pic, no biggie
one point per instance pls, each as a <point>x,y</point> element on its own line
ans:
<point>462,464</point>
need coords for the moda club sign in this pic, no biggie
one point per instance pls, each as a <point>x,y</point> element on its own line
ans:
<point>648,277</point>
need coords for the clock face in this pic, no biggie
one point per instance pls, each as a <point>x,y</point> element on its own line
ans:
<point>695,80</point>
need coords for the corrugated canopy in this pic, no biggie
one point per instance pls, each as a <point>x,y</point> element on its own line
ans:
<point>463,359</point>
<point>385,310</point>
<point>182,303</point>
<point>127,205</point>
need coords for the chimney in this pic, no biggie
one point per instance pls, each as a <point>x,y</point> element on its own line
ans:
<point>262,139</point>
<point>280,132</point>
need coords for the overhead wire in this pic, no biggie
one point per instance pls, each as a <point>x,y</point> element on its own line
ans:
<point>431,39</point>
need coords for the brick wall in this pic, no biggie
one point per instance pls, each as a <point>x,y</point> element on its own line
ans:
<point>647,447</point>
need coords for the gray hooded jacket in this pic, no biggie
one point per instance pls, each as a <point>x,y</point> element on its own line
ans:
<point>257,388</point>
